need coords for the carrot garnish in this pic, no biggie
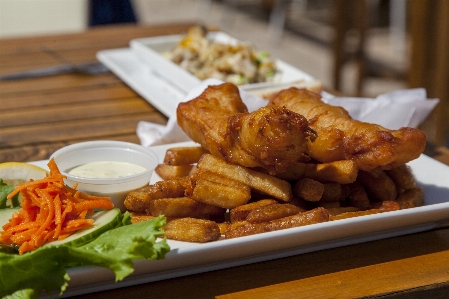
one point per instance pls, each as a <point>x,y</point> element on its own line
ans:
<point>49,211</point>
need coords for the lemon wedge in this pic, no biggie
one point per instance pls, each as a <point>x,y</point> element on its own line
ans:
<point>14,173</point>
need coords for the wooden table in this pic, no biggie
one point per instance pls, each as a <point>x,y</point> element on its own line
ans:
<point>38,116</point>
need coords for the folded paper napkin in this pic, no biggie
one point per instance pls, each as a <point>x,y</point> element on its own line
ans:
<point>393,110</point>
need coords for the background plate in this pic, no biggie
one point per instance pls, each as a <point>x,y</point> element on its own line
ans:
<point>163,83</point>
<point>152,49</point>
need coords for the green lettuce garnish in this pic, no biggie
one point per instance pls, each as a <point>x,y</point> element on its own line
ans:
<point>4,191</point>
<point>27,275</point>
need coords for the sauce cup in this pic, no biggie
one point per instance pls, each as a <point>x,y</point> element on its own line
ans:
<point>101,151</point>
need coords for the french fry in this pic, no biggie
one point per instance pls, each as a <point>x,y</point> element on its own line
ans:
<point>259,181</point>
<point>140,217</point>
<point>294,172</point>
<point>192,230</point>
<point>194,198</point>
<point>343,172</point>
<point>378,185</point>
<point>271,212</point>
<point>245,228</point>
<point>223,226</point>
<point>358,197</point>
<point>241,212</point>
<point>402,176</point>
<point>316,215</point>
<point>309,189</point>
<point>183,155</point>
<point>411,198</point>
<point>333,192</point>
<point>221,194</point>
<point>171,172</point>
<point>139,199</point>
<point>181,207</point>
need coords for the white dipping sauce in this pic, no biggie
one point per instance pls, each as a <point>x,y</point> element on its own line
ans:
<point>106,169</point>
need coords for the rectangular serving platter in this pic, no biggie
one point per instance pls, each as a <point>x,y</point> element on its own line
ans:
<point>163,83</point>
<point>152,50</point>
<point>190,258</point>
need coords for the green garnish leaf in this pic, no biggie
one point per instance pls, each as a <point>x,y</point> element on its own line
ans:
<point>5,189</point>
<point>24,276</point>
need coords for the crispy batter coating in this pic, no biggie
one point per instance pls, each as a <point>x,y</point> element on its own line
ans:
<point>340,137</point>
<point>271,137</point>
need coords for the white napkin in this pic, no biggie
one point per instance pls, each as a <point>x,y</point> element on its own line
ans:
<point>401,108</point>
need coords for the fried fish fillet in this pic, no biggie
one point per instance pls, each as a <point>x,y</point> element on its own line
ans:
<point>271,137</point>
<point>340,137</point>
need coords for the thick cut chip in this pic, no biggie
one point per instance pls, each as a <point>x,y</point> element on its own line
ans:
<point>358,197</point>
<point>241,212</point>
<point>139,199</point>
<point>309,189</point>
<point>180,207</point>
<point>183,155</point>
<point>259,181</point>
<point>402,176</point>
<point>411,198</point>
<point>192,230</point>
<point>378,185</point>
<point>316,215</point>
<point>171,172</point>
<point>272,212</point>
<point>245,228</point>
<point>333,192</point>
<point>223,195</point>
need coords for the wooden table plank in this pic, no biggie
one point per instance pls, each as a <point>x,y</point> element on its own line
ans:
<point>113,90</point>
<point>83,129</point>
<point>77,111</point>
<point>99,37</point>
<point>60,82</point>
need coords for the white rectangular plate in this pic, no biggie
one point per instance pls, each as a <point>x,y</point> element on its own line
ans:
<point>161,82</point>
<point>142,79</point>
<point>191,258</point>
<point>152,49</point>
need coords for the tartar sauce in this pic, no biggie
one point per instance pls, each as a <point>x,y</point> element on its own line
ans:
<point>106,169</point>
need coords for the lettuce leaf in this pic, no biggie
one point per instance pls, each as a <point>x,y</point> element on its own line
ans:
<point>25,276</point>
<point>4,191</point>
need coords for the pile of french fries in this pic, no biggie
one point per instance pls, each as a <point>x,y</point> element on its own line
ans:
<point>205,199</point>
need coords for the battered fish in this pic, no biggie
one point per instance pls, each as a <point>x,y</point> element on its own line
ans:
<point>271,137</point>
<point>340,137</point>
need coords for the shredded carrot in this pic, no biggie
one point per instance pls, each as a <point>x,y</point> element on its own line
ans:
<point>50,211</point>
